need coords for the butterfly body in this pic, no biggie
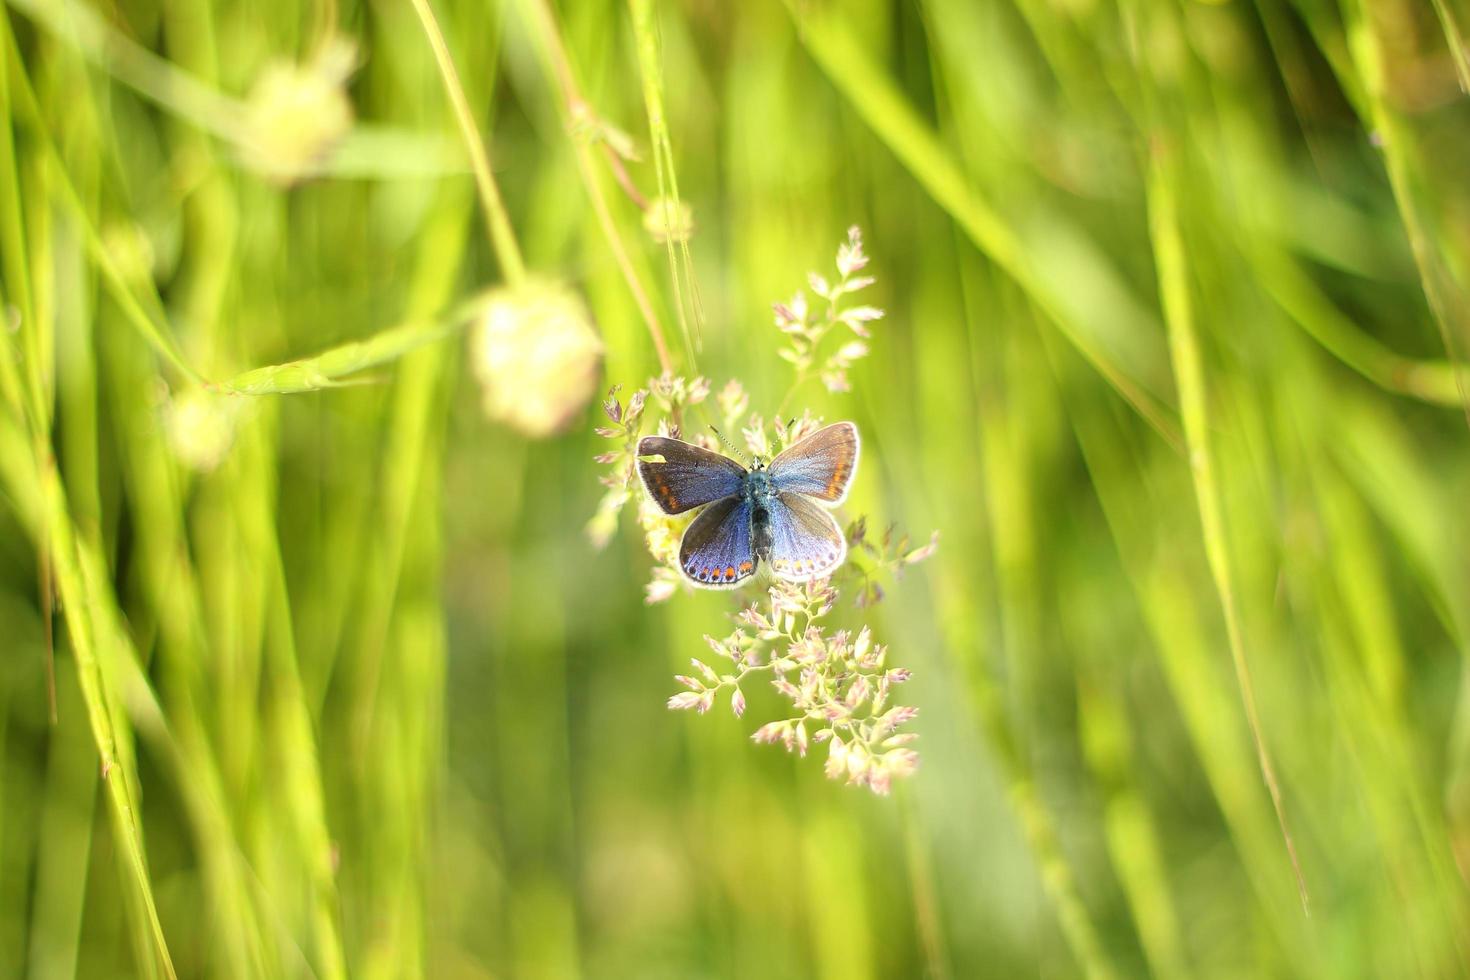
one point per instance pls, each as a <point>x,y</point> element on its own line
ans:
<point>772,513</point>
<point>762,496</point>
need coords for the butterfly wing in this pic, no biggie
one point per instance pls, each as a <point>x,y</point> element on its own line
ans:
<point>717,550</point>
<point>805,541</point>
<point>821,465</point>
<point>688,477</point>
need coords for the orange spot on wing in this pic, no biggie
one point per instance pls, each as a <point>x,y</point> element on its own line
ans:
<point>729,573</point>
<point>838,475</point>
<point>746,566</point>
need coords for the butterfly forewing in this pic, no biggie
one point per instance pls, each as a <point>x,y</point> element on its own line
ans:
<point>688,476</point>
<point>805,541</point>
<point>717,551</point>
<point>821,465</point>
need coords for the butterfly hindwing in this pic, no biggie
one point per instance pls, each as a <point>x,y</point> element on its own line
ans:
<point>717,550</point>
<point>688,476</point>
<point>804,540</point>
<point>821,465</point>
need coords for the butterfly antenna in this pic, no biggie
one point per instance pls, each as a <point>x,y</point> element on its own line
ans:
<point>730,446</point>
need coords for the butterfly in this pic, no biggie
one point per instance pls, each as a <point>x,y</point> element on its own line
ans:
<point>773,513</point>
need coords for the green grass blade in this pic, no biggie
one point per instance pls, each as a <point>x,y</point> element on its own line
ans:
<point>1174,289</point>
<point>333,368</point>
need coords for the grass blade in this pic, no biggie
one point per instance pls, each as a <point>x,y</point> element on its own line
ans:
<point>1174,291</point>
<point>332,368</point>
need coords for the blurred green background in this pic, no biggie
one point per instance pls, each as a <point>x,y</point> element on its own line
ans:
<point>1177,293</point>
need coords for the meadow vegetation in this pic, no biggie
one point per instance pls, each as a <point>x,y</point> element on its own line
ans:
<point>311,663</point>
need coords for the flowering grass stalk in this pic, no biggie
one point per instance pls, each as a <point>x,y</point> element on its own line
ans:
<point>805,331</point>
<point>836,683</point>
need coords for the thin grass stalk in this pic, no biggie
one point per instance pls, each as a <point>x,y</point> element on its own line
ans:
<point>574,111</point>
<point>1369,61</point>
<point>645,33</point>
<point>497,221</point>
<point>1455,41</point>
<point>78,603</point>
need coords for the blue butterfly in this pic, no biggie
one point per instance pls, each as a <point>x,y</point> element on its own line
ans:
<point>770,512</point>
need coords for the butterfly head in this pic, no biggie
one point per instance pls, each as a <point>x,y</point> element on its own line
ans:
<point>758,483</point>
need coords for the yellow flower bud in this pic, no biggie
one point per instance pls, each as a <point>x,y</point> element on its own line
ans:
<point>199,428</point>
<point>537,358</point>
<point>298,113</point>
